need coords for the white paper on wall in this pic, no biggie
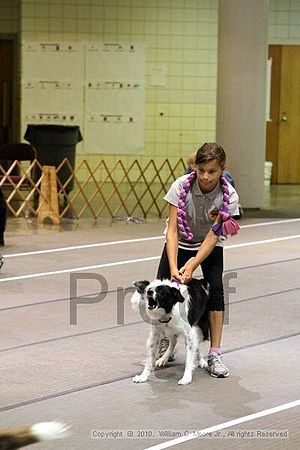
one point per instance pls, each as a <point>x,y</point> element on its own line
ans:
<point>104,135</point>
<point>158,75</point>
<point>115,97</point>
<point>52,61</point>
<point>98,86</point>
<point>53,95</point>
<point>52,84</point>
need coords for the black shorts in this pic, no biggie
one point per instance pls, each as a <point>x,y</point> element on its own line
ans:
<point>212,269</point>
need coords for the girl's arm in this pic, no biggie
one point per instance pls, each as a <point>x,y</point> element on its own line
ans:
<point>172,243</point>
<point>205,249</point>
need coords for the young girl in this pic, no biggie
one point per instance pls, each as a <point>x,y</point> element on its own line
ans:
<point>201,206</point>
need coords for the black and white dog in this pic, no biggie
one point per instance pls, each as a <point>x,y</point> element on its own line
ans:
<point>173,309</point>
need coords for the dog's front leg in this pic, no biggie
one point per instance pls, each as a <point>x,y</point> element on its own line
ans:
<point>152,347</point>
<point>192,344</point>
<point>162,361</point>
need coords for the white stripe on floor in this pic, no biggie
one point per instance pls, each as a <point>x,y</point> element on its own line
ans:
<point>78,269</point>
<point>273,222</point>
<point>127,241</point>
<point>79,247</point>
<point>132,261</point>
<point>222,426</point>
<point>266,241</point>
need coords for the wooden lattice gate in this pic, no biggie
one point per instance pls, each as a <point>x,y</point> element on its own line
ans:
<point>100,191</point>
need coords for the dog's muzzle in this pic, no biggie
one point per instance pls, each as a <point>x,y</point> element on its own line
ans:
<point>152,304</point>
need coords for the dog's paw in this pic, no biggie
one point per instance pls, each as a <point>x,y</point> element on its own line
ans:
<point>202,363</point>
<point>140,378</point>
<point>184,381</point>
<point>161,362</point>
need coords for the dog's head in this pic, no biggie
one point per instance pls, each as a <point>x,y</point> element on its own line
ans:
<point>159,297</point>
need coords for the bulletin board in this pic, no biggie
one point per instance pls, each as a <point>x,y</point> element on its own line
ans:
<point>98,86</point>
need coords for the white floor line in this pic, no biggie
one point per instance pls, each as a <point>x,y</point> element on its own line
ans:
<point>273,222</point>
<point>78,269</point>
<point>128,241</point>
<point>133,261</point>
<point>265,241</point>
<point>222,426</point>
<point>79,247</point>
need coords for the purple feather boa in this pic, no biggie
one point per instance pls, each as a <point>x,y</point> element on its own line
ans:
<point>224,226</point>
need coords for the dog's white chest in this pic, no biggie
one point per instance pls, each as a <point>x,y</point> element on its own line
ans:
<point>175,327</point>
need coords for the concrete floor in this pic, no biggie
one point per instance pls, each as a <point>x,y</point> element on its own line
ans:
<point>81,374</point>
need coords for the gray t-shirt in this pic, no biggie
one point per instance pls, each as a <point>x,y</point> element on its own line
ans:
<point>201,209</point>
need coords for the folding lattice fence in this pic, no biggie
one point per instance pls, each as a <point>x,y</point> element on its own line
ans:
<point>103,191</point>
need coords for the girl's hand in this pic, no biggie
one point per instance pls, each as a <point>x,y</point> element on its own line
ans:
<point>176,275</point>
<point>186,273</point>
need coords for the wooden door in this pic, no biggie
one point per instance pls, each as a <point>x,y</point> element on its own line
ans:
<point>289,116</point>
<point>6,94</point>
<point>283,132</point>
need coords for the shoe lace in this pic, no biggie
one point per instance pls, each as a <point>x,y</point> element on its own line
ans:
<point>217,361</point>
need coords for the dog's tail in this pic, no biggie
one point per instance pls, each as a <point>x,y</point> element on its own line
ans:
<point>21,437</point>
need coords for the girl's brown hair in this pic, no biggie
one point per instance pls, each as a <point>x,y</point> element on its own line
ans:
<point>208,152</point>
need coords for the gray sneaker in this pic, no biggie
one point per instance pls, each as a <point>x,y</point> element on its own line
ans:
<point>163,346</point>
<point>216,367</point>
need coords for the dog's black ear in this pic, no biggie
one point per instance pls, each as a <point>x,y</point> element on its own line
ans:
<point>141,286</point>
<point>176,295</point>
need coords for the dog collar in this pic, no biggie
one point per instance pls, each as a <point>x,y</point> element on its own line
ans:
<point>165,321</point>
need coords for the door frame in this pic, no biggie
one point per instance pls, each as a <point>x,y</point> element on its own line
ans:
<point>273,151</point>
<point>272,126</point>
<point>16,89</point>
